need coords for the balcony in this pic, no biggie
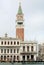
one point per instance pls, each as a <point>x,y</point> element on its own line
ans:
<point>28,52</point>
<point>9,46</point>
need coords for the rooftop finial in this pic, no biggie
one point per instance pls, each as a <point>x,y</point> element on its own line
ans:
<point>19,3</point>
<point>5,34</point>
<point>20,0</point>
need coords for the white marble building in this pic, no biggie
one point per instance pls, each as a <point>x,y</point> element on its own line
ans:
<point>28,50</point>
<point>12,49</point>
<point>9,48</point>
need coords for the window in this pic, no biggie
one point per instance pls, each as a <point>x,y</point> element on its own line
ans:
<point>14,50</point>
<point>8,42</point>
<point>2,43</point>
<point>17,50</point>
<point>17,57</point>
<point>27,57</point>
<point>14,42</point>
<point>4,50</point>
<point>11,57</point>
<point>7,56</point>
<point>32,48</point>
<point>11,51</point>
<point>4,57</point>
<point>7,50</point>
<point>11,42</point>
<point>1,57</point>
<point>14,58</point>
<point>23,48</point>
<point>23,58</point>
<point>32,57</point>
<point>5,42</point>
<point>1,50</point>
<point>27,48</point>
<point>17,43</point>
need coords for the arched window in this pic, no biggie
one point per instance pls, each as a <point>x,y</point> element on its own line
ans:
<point>23,48</point>
<point>14,42</point>
<point>17,57</point>
<point>17,50</point>
<point>4,57</point>
<point>10,50</point>
<point>7,50</point>
<point>11,42</point>
<point>14,58</point>
<point>28,48</point>
<point>4,50</point>
<point>1,57</point>
<point>32,48</point>
<point>11,57</point>
<point>27,57</point>
<point>18,43</point>
<point>8,58</point>
<point>1,50</point>
<point>5,42</point>
<point>8,42</point>
<point>2,43</point>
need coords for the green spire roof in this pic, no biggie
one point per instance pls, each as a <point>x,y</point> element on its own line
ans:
<point>20,9</point>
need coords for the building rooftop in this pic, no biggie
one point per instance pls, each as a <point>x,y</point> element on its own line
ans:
<point>29,42</point>
<point>6,37</point>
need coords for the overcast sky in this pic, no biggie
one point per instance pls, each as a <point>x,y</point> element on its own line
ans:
<point>33,18</point>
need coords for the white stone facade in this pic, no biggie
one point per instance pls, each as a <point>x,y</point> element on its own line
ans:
<point>11,49</point>
<point>29,52</point>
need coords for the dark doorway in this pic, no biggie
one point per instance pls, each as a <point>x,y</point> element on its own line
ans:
<point>23,58</point>
<point>27,58</point>
<point>14,58</point>
<point>32,57</point>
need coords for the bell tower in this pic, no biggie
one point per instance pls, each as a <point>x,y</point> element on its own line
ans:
<point>20,24</point>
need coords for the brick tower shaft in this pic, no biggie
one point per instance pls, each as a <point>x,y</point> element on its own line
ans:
<point>19,24</point>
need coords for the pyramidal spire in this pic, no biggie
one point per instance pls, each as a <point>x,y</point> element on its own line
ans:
<point>20,9</point>
<point>19,16</point>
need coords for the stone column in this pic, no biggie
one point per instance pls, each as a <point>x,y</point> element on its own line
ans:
<point>30,48</point>
<point>0,57</point>
<point>25,48</point>
<point>25,57</point>
<point>21,58</point>
<point>29,56</point>
<point>9,57</point>
<point>35,57</point>
<point>6,50</point>
<point>6,57</point>
<point>16,58</point>
<point>3,57</point>
<point>9,50</point>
